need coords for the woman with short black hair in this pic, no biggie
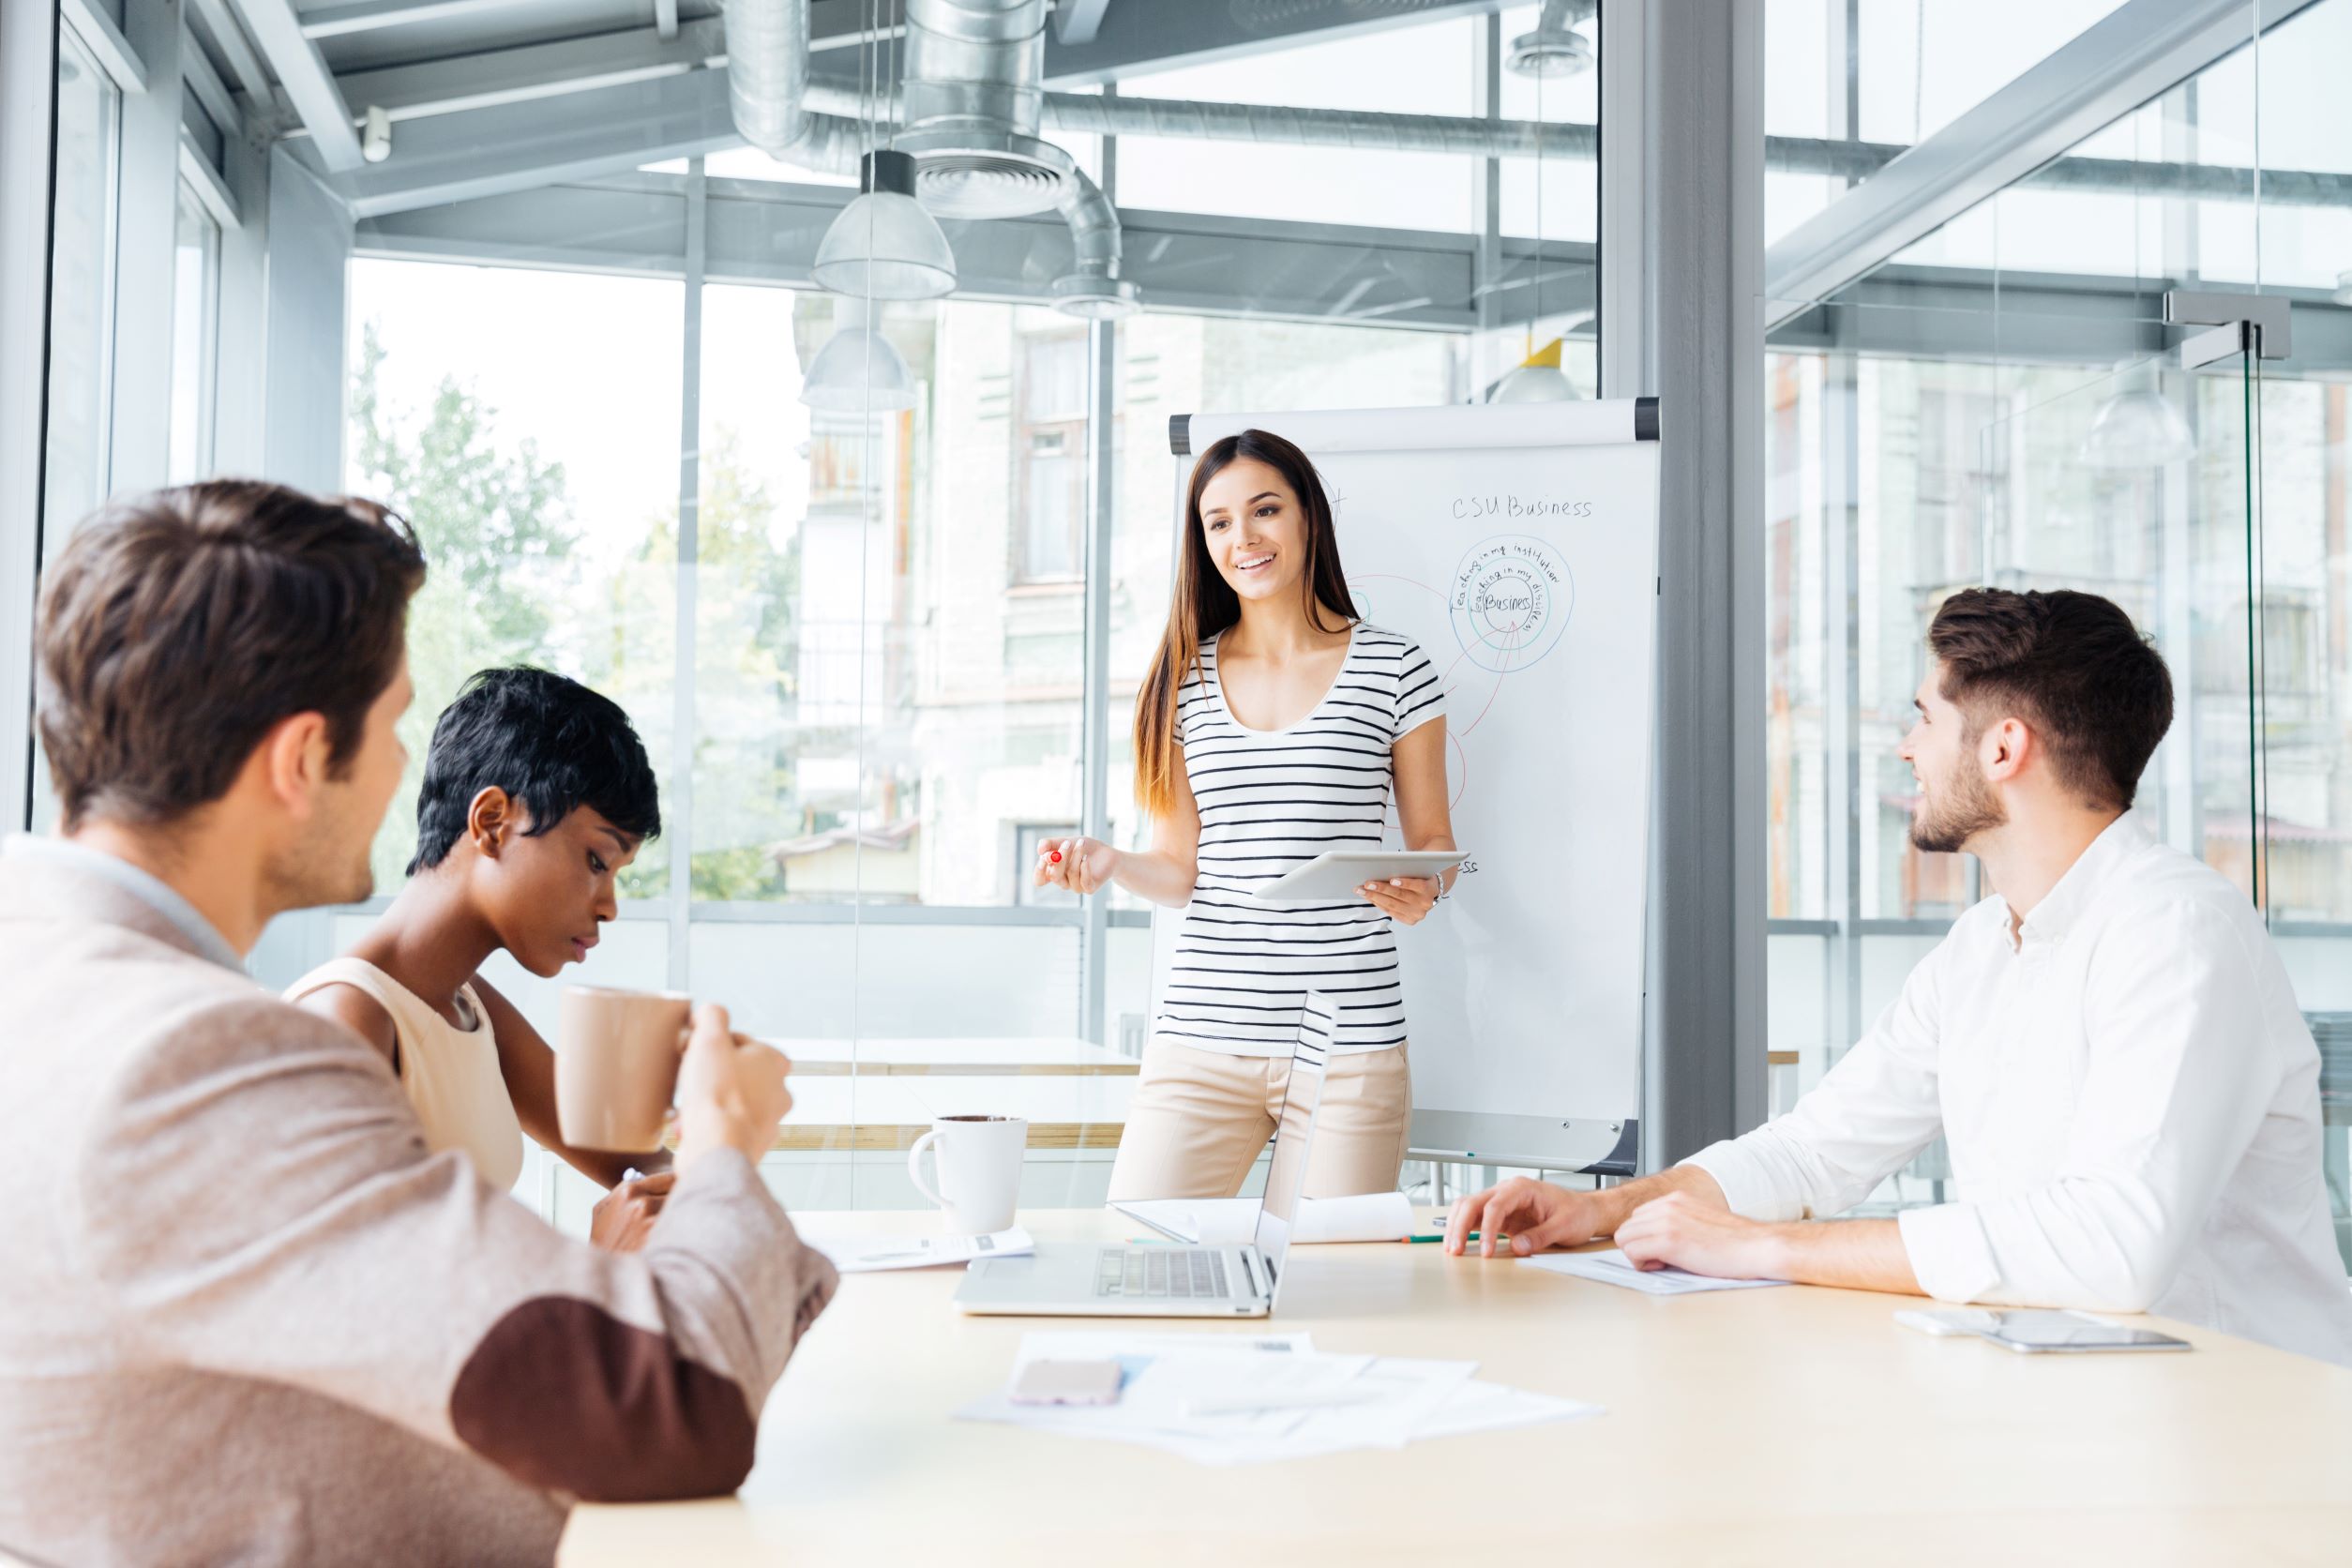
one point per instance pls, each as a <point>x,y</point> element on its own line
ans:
<point>536,793</point>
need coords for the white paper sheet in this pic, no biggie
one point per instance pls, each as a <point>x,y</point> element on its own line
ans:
<point>1614,1268</point>
<point>872,1254</point>
<point>1374,1216</point>
<point>1490,1406</point>
<point>1415,1399</point>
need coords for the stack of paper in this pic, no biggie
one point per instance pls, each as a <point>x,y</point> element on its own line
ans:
<point>1614,1268</point>
<point>1375,1216</point>
<point>1236,1399</point>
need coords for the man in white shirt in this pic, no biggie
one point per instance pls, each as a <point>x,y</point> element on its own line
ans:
<point>2109,1044</point>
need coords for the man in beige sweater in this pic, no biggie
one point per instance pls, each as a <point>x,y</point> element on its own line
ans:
<point>247,1316</point>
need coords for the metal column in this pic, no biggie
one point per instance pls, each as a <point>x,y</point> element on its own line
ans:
<point>1102,494</point>
<point>28,76</point>
<point>1682,275</point>
<point>678,811</point>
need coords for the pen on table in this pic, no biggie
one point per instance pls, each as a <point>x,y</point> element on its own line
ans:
<point>1441,1236</point>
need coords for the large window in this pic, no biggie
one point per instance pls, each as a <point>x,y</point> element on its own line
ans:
<point>2001,404</point>
<point>1890,75</point>
<point>195,337</point>
<point>81,317</point>
<point>1049,446</point>
<point>878,653</point>
<point>537,463</point>
<point>1431,70</point>
<point>80,289</point>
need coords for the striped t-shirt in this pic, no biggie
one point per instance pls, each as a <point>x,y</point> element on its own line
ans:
<point>1270,801</point>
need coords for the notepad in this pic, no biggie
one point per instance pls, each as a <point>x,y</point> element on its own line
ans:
<point>1614,1268</point>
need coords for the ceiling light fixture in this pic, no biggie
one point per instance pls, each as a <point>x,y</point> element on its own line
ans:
<point>1536,379</point>
<point>857,371</point>
<point>883,244</point>
<point>2137,428</point>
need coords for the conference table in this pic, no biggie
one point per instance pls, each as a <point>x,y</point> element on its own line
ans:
<point>1788,1425</point>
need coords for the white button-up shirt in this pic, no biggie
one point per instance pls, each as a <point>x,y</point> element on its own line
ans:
<point>2132,1101</point>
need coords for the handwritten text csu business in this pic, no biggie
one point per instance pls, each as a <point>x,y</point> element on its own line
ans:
<point>1468,507</point>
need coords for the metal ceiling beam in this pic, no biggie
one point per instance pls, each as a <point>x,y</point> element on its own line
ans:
<point>201,80</point>
<point>1077,22</point>
<point>309,86</point>
<point>516,146</point>
<point>211,190</point>
<point>106,45</point>
<point>2135,53</point>
<point>767,231</point>
<point>534,70</point>
<point>367,16</point>
<point>1165,35</point>
<point>228,37</point>
<point>533,89</point>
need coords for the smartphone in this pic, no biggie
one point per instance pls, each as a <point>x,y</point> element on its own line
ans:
<point>1067,1383</point>
<point>2036,1332</point>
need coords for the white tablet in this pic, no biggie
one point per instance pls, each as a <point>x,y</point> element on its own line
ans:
<point>1338,873</point>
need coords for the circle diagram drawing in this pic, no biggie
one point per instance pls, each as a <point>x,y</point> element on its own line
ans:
<point>1510,601</point>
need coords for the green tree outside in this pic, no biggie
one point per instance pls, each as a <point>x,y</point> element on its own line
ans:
<point>505,587</point>
<point>497,534</point>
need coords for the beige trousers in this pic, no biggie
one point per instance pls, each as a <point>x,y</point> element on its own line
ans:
<point>1201,1118</point>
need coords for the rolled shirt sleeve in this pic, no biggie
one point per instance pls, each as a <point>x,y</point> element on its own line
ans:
<point>2172,1095</point>
<point>1869,1115</point>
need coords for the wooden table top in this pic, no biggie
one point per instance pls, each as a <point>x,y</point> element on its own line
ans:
<point>1792,1425</point>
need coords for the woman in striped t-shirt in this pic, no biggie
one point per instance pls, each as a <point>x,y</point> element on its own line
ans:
<point>1271,729</point>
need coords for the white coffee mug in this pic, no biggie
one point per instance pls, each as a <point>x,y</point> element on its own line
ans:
<point>979,1171</point>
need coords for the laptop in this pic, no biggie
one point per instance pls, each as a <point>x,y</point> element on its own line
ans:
<point>1086,1279</point>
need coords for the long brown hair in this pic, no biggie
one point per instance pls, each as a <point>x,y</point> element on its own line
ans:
<point>1204,603</point>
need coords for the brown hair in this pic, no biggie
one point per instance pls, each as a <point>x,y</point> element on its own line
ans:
<point>177,628</point>
<point>1204,603</point>
<point>2073,667</point>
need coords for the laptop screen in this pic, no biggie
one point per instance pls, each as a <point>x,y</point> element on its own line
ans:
<point>1294,1133</point>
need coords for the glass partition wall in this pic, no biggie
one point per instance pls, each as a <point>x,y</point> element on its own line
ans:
<point>880,629</point>
<point>2003,401</point>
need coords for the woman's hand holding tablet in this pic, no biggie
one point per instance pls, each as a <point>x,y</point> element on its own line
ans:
<point>1406,899</point>
<point>1403,883</point>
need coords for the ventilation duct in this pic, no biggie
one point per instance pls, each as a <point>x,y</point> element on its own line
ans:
<point>1555,49</point>
<point>968,118</point>
<point>1093,288</point>
<point>767,88</point>
<point>973,96</point>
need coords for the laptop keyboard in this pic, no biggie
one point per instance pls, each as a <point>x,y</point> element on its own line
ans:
<point>1162,1273</point>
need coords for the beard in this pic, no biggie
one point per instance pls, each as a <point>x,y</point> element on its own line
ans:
<point>328,864</point>
<point>1955,811</point>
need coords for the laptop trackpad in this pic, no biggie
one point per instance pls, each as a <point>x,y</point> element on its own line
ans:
<point>1051,1272</point>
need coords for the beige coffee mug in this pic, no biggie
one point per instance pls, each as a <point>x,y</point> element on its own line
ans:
<point>979,1171</point>
<point>616,1065</point>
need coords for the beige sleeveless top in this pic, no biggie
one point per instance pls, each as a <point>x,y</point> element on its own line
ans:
<point>451,1074</point>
